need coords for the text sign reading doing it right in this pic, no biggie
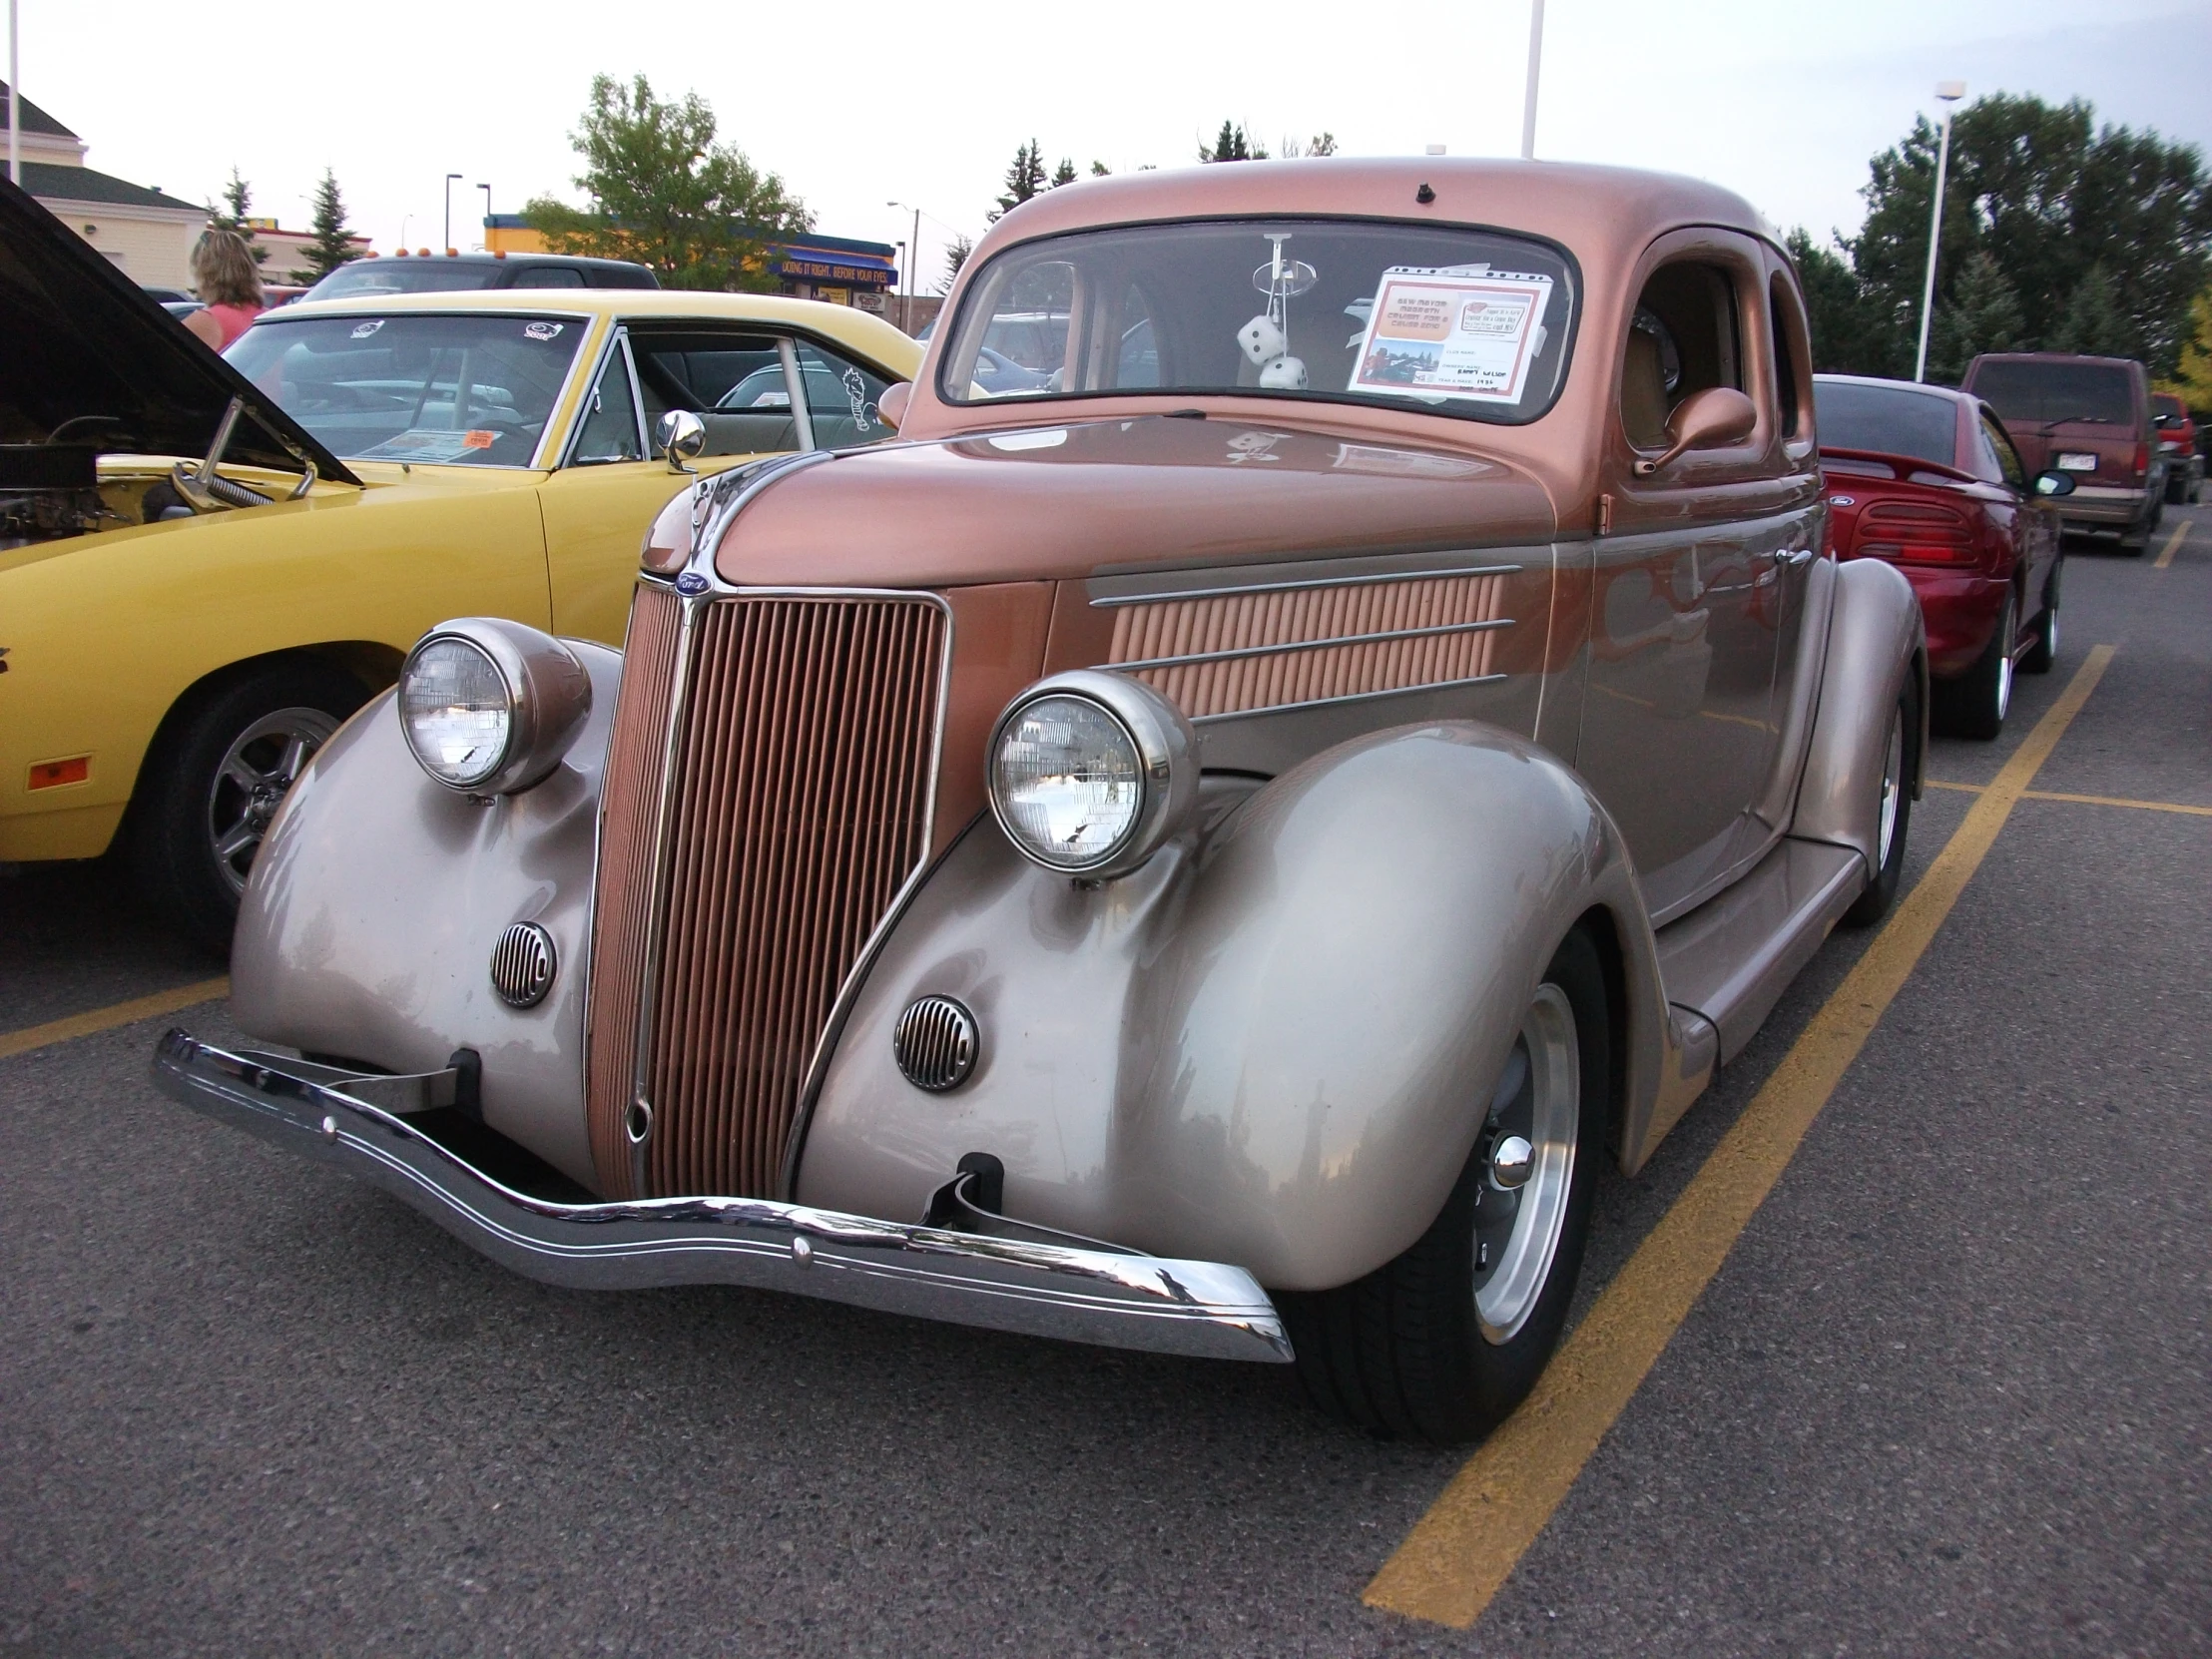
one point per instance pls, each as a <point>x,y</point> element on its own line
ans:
<point>1461,332</point>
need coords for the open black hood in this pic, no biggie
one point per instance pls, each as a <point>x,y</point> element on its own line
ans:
<point>79,341</point>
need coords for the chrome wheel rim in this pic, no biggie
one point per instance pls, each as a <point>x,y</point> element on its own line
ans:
<point>2007,632</point>
<point>2050,632</point>
<point>1517,1231</point>
<point>262,764</point>
<point>1892,781</point>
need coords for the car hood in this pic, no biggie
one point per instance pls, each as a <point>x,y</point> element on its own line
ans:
<point>80,343</point>
<point>1092,498</point>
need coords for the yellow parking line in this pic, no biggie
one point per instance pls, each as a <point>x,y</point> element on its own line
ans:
<point>106,1019</point>
<point>2118,801</point>
<point>1467,1544</point>
<point>2173,543</point>
<point>1964,789</point>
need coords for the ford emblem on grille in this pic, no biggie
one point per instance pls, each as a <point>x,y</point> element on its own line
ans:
<point>691,584</point>
<point>522,965</point>
<point>935,1043</point>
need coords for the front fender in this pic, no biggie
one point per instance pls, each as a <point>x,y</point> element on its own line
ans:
<point>1271,1045</point>
<point>377,896</point>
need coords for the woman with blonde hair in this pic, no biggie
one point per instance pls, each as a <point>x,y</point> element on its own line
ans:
<point>230,286</point>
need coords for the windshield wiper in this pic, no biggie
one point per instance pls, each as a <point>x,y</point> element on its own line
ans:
<point>2044,431</point>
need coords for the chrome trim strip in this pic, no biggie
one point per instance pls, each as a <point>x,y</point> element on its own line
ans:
<point>1115,1298</point>
<point>1313,582</point>
<point>1355,697</point>
<point>1244,651</point>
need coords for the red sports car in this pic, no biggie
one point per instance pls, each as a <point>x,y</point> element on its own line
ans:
<point>1926,478</point>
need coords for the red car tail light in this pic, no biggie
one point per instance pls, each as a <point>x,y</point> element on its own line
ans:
<point>2142,459</point>
<point>1913,533</point>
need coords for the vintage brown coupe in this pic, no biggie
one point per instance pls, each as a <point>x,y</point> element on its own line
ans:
<point>1350,738</point>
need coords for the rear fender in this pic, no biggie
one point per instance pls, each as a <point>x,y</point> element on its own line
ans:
<point>1876,641</point>
<point>1271,1045</point>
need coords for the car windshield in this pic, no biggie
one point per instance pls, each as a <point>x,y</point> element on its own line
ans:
<point>366,280</point>
<point>1893,421</point>
<point>1466,323</point>
<point>457,390</point>
<point>2054,392</point>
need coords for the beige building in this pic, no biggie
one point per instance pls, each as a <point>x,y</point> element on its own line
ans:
<point>147,234</point>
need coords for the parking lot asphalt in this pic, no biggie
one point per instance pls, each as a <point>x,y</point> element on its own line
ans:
<point>1949,1392</point>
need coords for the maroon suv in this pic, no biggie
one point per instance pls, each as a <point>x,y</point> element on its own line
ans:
<point>2089,417</point>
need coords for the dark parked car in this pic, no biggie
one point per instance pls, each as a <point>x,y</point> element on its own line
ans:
<point>448,272</point>
<point>2088,417</point>
<point>2177,441</point>
<point>1927,479</point>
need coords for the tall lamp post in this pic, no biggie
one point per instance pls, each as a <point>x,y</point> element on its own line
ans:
<point>1947,93</point>
<point>486,188</point>
<point>913,253</point>
<point>15,106</point>
<point>1535,66</point>
<point>449,178</point>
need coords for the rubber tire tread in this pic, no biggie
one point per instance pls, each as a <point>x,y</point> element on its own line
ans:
<point>1399,1353</point>
<point>170,860</point>
<point>1873,904</point>
<point>1966,707</point>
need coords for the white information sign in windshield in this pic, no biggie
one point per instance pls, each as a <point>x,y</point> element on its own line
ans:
<point>1454,332</point>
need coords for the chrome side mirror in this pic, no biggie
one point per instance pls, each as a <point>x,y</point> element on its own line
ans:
<point>682,435</point>
<point>2052,483</point>
<point>1706,419</point>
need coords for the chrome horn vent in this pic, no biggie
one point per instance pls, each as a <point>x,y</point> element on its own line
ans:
<point>522,965</point>
<point>935,1043</point>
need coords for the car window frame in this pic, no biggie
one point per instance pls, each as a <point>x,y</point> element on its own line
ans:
<point>1763,457</point>
<point>618,341</point>
<point>2001,442</point>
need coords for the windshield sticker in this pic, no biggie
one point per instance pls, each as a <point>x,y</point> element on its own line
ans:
<point>361,330</point>
<point>424,443</point>
<point>541,331</point>
<point>1454,332</point>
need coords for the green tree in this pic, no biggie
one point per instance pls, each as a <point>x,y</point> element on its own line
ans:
<point>1231,145</point>
<point>1099,170</point>
<point>2192,380</point>
<point>1849,335</point>
<point>2095,322</point>
<point>2049,197</point>
<point>1064,173</point>
<point>1982,314</point>
<point>1025,180</point>
<point>956,257</point>
<point>238,199</point>
<point>664,192</point>
<point>333,242</point>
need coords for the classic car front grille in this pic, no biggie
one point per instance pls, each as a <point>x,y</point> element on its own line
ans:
<point>800,803</point>
<point>1218,654</point>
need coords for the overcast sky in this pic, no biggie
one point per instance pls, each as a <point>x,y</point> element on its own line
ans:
<point>861,104</point>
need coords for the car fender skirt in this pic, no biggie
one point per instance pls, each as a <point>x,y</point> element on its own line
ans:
<point>1876,640</point>
<point>1116,1299</point>
<point>1274,1043</point>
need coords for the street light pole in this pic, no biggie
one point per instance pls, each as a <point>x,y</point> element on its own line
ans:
<point>486,188</point>
<point>1949,93</point>
<point>1536,67</point>
<point>449,178</point>
<point>15,105</point>
<point>913,253</point>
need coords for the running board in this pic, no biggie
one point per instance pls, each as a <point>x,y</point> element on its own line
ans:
<point>1729,959</point>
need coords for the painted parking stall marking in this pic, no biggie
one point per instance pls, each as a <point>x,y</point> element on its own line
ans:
<point>1464,1549</point>
<point>72,1026</point>
<point>2173,545</point>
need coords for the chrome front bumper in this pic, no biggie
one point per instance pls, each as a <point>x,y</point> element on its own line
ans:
<point>1201,1309</point>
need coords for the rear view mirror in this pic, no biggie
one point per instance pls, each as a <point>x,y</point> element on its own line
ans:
<point>681,435</point>
<point>1706,419</point>
<point>2054,484</point>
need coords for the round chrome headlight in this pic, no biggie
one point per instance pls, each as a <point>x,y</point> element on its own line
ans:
<point>490,707</point>
<point>1090,772</point>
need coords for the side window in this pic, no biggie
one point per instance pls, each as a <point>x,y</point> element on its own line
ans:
<point>1786,332</point>
<point>2007,458</point>
<point>842,399</point>
<point>610,430</point>
<point>733,381</point>
<point>548,277</point>
<point>1686,335</point>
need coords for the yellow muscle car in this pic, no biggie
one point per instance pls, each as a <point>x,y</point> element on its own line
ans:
<point>206,565</point>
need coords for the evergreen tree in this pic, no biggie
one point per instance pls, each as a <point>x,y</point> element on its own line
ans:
<point>1848,338</point>
<point>1025,180</point>
<point>238,198</point>
<point>1231,145</point>
<point>1064,173</point>
<point>956,257</point>
<point>2093,322</point>
<point>333,243</point>
<point>1982,314</point>
<point>1099,170</point>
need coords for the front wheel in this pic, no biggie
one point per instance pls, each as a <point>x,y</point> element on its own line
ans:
<point>206,799</point>
<point>1442,1342</point>
<point>1894,813</point>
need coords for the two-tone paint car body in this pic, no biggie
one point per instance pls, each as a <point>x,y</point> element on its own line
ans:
<point>174,650</point>
<point>1493,749</point>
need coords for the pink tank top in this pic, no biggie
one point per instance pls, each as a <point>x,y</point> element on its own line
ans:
<point>234,320</point>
